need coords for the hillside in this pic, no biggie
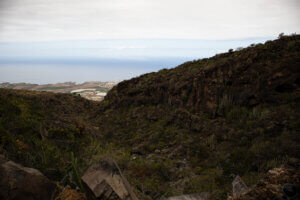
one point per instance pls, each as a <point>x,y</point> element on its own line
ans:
<point>42,129</point>
<point>194,127</point>
<point>184,130</point>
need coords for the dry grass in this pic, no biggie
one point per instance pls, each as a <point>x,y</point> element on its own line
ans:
<point>67,193</point>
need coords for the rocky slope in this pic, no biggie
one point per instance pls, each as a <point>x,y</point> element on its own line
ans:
<point>186,130</point>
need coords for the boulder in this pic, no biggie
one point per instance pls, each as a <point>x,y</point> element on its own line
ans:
<point>22,183</point>
<point>105,181</point>
<point>238,187</point>
<point>201,196</point>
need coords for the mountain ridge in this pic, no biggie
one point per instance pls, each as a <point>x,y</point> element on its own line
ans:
<point>222,73</point>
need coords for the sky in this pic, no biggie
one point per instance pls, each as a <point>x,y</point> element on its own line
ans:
<point>129,37</point>
<point>31,20</point>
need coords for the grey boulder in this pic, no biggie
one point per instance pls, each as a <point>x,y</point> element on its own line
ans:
<point>105,181</point>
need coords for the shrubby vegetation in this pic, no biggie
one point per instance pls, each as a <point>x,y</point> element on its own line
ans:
<point>46,131</point>
<point>185,130</point>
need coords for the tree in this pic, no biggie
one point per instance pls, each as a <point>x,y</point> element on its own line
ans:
<point>281,35</point>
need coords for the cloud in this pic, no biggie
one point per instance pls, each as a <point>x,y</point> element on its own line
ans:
<point>34,20</point>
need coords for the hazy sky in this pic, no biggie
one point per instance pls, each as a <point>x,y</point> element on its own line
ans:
<point>39,20</point>
<point>48,41</point>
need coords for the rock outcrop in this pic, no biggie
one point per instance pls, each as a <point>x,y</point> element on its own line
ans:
<point>22,183</point>
<point>277,183</point>
<point>105,181</point>
<point>201,196</point>
<point>238,187</point>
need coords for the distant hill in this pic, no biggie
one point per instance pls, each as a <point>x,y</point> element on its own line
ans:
<point>66,87</point>
<point>184,130</point>
<point>100,88</point>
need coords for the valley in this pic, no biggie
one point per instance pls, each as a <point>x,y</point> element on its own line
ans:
<point>190,130</point>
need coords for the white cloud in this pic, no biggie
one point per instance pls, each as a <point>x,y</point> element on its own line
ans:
<point>30,20</point>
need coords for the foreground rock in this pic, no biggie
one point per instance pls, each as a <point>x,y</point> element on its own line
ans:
<point>279,183</point>
<point>201,196</point>
<point>105,181</point>
<point>238,187</point>
<point>22,183</point>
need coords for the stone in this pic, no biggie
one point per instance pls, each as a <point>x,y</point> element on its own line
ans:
<point>105,181</point>
<point>201,196</point>
<point>157,151</point>
<point>139,149</point>
<point>289,190</point>
<point>22,183</point>
<point>67,193</point>
<point>238,187</point>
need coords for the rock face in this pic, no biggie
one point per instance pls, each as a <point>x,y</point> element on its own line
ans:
<point>238,187</point>
<point>201,196</point>
<point>22,183</point>
<point>105,181</point>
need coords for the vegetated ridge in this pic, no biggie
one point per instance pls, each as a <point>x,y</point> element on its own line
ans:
<point>185,130</point>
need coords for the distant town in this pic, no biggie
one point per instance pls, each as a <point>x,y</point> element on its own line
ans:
<point>94,90</point>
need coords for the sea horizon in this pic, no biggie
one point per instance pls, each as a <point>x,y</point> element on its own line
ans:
<point>103,60</point>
